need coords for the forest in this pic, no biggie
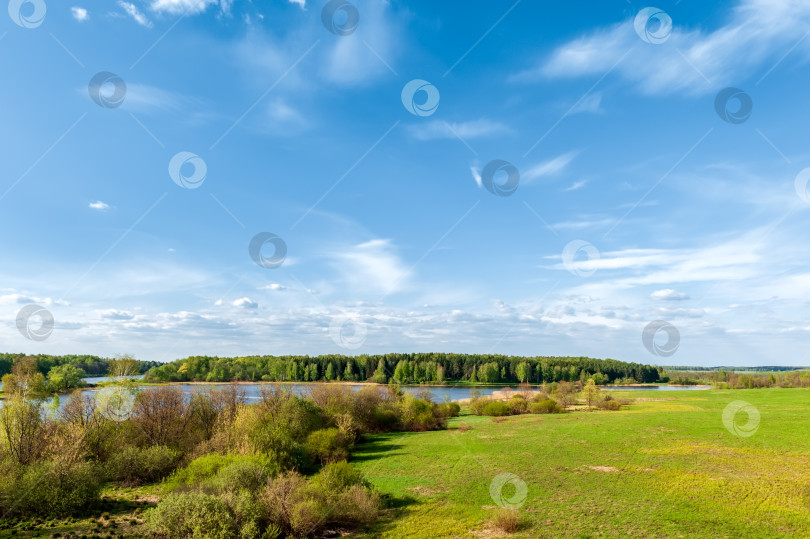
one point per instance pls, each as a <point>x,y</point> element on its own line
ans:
<point>53,374</point>
<point>417,368</point>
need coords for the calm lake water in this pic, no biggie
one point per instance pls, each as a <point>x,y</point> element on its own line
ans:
<point>253,391</point>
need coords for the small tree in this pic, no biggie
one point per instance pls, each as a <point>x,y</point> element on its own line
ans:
<point>564,394</point>
<point>591,392</point>
<point>64,377</point>
<point>523,371</point>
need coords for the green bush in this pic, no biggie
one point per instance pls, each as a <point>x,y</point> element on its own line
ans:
<point>495,408</point>
<point>449,409</point>
<point>328,445</point>
<point>609,404</point>
<point>244,473</point>
<point>191,515</point>
<point>137,466</point>
<point>336,477</point>
<point>546,406</point>
<point>419,414</point>
<point>518,405</point>
<point>385,419</point>
<point>247,512</point>
<point>336,495</point>
<point>44,490</point>
<point>206,468</point>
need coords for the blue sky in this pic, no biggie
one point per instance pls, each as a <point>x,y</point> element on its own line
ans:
<point>393,242</point>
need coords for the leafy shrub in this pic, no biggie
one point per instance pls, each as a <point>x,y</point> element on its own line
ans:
<point>206,468</point>
<point>244,473</point>
<point>609,404</point>
<point>546,406</point>
<point>336,477</point>
<point>137,466</point>
<point>328,445</point>
<point>283,423</point>
<point>336,495</point>
<point>419,414</point>
<point>247,512</point>
<point>307,516</point>
<point>495,408</point>
<point>477,406</point>
<point>191,515</point>
<point>518,405</point>
<point>43,489</point>
<point>449,409</point>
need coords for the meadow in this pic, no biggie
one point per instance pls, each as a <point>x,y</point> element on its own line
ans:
<point>664,466</point>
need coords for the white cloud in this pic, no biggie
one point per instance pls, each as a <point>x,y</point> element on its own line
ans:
<point>362,57</point>
<point>79,13</point>
<point>245,303</point>
<point>99,205</point>
<point>550,167</point>
<point>668,294</point>
<point>440,129</point>
<point>272,286</point>
<point>136,14</point>
<point>21,299</point>
<point>284,118</point>
<point>576,185</point>
<point>371,266</point>
<point>755,35</point>
<point>476,174</point>
<point>302,3</point>
<point>115,314</point>
<point>189,7</point>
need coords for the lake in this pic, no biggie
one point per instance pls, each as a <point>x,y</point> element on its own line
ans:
<point>440,393</point>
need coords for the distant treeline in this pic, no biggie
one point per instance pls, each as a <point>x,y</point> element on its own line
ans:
<point>732,369</point>
<point>91,365</point>
<point>743,380</point>
<point>403,369</point>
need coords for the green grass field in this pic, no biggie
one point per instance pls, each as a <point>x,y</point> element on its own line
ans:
<point>665,466</point>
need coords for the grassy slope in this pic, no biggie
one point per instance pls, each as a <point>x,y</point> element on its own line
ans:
<point>680,472</point>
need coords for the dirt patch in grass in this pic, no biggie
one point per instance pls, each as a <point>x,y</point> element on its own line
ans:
<point>424,491</point>
<point>610,469</point>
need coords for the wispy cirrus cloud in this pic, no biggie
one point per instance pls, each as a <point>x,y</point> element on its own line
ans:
<point>440,129</point>
<point>135,13</point>
<point>549,167</point>
<point>692,61</point>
